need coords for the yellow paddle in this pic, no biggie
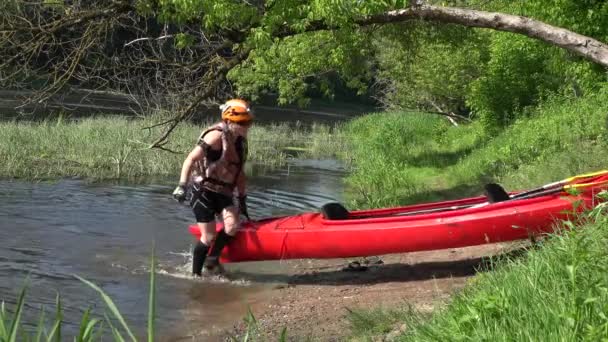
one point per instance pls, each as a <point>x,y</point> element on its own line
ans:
<point>563,188</point>
<point>558,183</point>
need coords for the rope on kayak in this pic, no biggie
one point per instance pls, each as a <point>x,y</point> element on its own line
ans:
<point>283,245</point>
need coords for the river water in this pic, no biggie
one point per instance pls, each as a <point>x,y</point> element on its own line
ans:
<point>51,231</point>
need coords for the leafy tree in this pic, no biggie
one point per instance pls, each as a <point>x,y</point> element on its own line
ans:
<point>429,66</point>
<point>291,46</point>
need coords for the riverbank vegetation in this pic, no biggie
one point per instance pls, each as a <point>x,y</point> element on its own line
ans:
<point>404,157</point>
<point>557,291</point>
<point>117,148</point>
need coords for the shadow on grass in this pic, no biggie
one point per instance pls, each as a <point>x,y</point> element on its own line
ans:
<point>385,273</point>
<point>458,192</point>
<point>438,159</point>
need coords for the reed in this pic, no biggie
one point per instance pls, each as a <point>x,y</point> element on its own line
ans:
<point>104,148</point>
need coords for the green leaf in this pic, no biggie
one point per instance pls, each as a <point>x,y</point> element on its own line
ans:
<point>115,332</point>
<point>3,332</point>
<point>183,40</point>
<point>40,328</point>
<point>283,336</point>
<point>110,305</point>
<point>86,327</point>
<point>83,324</point>
<point>89,330</point>
<point>12,335</point>
<point>56,330</point>
<point>97,335</point>
<point>591,300</point>
<point>571,272</point>
<point>117,336</point>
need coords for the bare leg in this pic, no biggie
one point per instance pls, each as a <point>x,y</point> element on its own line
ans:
<point>207,230</point>
<point>231,222</point>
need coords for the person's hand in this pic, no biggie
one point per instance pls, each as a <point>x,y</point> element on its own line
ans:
<point>243,206</point>
<point>180,193</point>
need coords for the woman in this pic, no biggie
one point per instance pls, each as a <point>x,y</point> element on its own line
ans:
<point>214,170</point>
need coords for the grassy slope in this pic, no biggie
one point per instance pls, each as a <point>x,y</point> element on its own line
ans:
<point>558,292</point>
<point>411,157</point>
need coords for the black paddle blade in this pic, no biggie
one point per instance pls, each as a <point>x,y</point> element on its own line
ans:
<point>496,193</point>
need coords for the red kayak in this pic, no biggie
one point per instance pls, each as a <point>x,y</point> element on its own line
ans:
<point>336,233</point>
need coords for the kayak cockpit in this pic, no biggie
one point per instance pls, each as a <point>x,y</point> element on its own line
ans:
<point>334,211</point>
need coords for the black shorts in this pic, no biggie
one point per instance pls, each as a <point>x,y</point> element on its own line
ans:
<point>206,204</point>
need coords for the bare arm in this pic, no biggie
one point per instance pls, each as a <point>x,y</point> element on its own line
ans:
<point>213,139</point>
<point>196,154</point>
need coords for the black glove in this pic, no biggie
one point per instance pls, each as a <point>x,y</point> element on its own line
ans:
<point>180,193</point>
<point>243,206</point>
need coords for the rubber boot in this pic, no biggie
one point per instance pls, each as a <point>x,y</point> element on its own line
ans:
<point>212,263</point>
<point>199,253</point>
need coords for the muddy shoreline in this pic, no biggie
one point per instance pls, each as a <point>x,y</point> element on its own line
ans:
<point>313,304</point>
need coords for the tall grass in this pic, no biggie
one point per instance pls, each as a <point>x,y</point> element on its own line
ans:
<point>117,148</point>
<point>556,293</point>
<point>411,157</point>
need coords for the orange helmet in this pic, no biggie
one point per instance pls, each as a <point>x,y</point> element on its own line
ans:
<point>236,111</point>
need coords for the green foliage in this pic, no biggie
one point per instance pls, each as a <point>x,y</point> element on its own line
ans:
<point>514,78</point>
<point>88,330</point>
<point>375,324</point>
<point>588,17</point>
<point>402,158</point>
<point>410,65</point>
<point>183,40</point>
<point>396,155</point>
<point>213,15</point>
<point>429,66</point>
<point>494,76</point>
<point>522,71</point>
<point>297,66</point>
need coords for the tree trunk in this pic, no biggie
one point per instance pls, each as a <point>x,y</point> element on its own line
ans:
<point>584,46</point>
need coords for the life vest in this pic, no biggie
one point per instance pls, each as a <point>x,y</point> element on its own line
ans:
<point>220,175</point>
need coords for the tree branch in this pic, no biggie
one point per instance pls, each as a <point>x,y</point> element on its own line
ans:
<point>584,46</point>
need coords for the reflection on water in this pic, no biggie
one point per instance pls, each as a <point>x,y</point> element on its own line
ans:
<point>105,233</point>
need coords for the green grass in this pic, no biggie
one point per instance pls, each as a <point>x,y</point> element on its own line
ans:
<point>558,292</point>
<point>407,157</point>
<point>117,148</point>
